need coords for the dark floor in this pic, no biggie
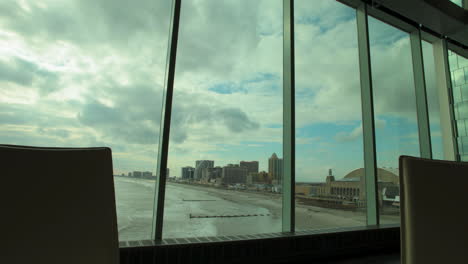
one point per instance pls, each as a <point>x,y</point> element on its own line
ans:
<point>380,259</point>
<point>393,258</point>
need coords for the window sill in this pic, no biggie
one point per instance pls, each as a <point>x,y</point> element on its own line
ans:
<point>272,248</point>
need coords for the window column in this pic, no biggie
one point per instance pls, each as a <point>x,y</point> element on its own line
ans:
<point>166,123</point>
<point>288,118</point>
<point>444,88</point>
<point>367,116</point>
<point>421,96</point>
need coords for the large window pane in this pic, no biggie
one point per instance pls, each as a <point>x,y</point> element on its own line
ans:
<point>395,110</point>
<point>330,189</point>
<point>227,120</point>
<point>459,75</point>
<point>433,106</point>
<point>85,73</point>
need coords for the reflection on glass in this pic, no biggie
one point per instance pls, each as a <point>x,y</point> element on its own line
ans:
<point>395,111</point>
<point>227,121</point>
<point>458,2</point>
<point>330,190</point>
<point>75,74</point>
<point>432,101</point>
<point>459,76</point>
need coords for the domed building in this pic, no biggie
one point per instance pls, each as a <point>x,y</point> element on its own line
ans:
<point>352,186</point>
<point>383,175</point>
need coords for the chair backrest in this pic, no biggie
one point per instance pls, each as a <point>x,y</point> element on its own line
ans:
<point>434,211</point>
<point>57,206</point>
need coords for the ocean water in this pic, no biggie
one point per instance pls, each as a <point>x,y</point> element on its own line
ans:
<point>243,213</point>
<point>226,212</point>
<point>134,200</point>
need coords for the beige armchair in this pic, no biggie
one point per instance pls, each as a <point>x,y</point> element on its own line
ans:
<point>434,214</point>
<point>57,206</point>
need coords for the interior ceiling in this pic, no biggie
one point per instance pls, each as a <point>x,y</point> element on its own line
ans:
<point>440,16</point>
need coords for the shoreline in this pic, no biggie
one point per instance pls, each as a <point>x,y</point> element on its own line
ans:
<point>308,217</point>
<point>304,212</point>
<point>188,198</point>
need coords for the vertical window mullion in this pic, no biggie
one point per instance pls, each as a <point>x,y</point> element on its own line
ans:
<point>160,188</point>
<point>447,120</point>
<point>421,95</point>
<point>368,125</point>
<point>288,181</point>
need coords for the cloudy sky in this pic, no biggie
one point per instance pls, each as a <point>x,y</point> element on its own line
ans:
<point>91,73</point>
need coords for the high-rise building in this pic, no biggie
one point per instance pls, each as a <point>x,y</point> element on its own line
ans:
<point>233,173</point>
<point>187,173</point>
<point>211,173</point>
<point>199,165</point>
<point>251,166</point>
<point>275,169</point>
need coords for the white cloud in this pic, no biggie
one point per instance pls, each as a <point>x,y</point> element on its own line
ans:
<point>356,133</point>
<point>95,72</point>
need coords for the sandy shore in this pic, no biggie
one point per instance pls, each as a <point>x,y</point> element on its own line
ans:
<point>264,210</point>
<point>307,216</point>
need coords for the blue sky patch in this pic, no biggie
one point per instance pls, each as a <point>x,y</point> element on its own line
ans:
<point>242,86</point>
<point>227,88</point>
<point>274,126</point>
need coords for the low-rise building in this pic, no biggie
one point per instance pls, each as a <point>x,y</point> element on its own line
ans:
<point>259,178</point>
<point>147,174</point>
<point>352,187</point>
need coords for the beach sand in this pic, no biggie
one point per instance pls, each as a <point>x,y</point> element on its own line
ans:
<point>254,212</point>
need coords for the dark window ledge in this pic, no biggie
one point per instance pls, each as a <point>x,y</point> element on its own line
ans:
<point>325,244</point>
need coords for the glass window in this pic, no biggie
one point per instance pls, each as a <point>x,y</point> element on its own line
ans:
<point>225,152</point>
<point>330,190</point>
<point>432,101</point>
<point>459,76</point>
<point>89,73</point>
<point>395,110</point>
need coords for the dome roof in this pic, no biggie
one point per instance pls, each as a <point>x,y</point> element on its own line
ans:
<point>382,175</point>
<point>274,156</point>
